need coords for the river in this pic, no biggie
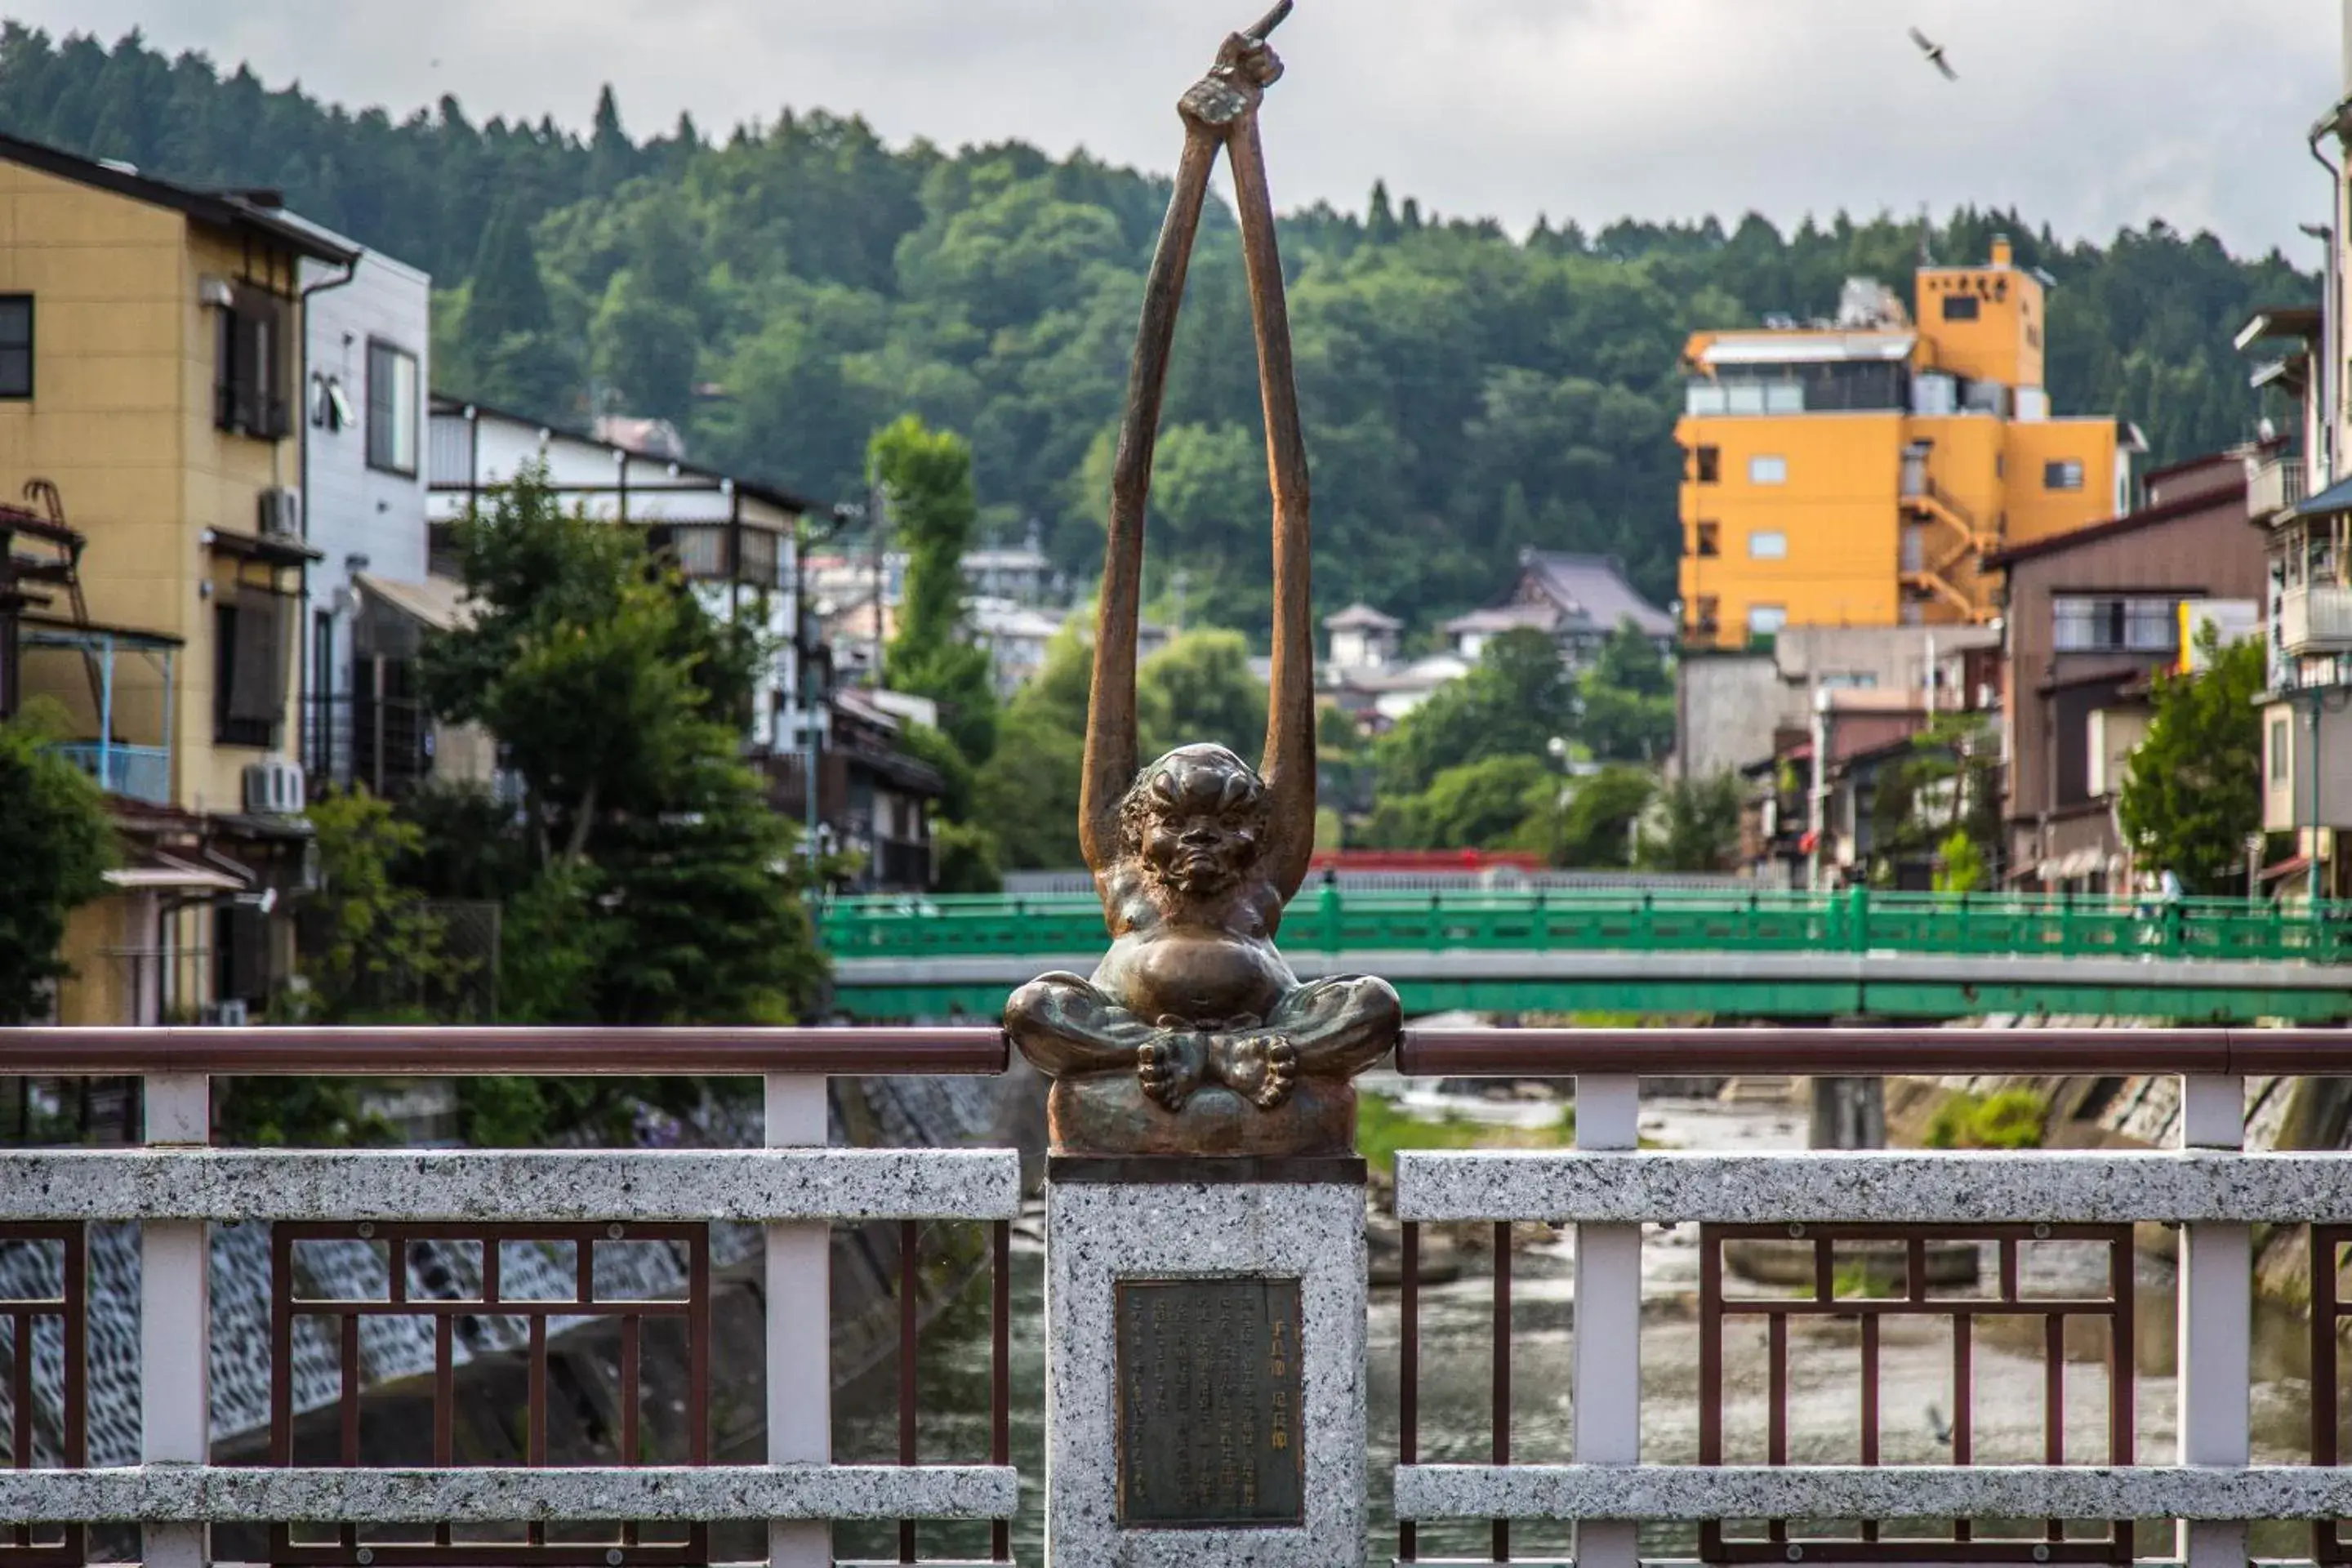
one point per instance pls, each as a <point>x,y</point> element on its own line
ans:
<point>1915,1378</point>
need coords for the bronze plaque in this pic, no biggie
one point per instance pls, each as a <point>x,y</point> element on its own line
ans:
<point>1212,1430</point>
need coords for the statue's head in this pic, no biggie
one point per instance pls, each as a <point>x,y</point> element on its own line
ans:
<point>1197,819</point>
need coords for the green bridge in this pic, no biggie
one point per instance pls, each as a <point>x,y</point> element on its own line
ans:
<point>1724,953</point>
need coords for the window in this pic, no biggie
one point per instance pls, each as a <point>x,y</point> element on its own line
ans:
<point>248,670</point>
<point>392,409</point>
<point>1703,612</point>
<point>1707,540</point>
<point>1768,470</point>
<point>1766,620</point>
<point>1710,465</point>
<point>2117,626</point>
<point>1960,307</point>
<point>249,383</point>
<point>1849,680</point>
<point>2066,474</point>
<point>2279,756</point>
<point>16,346</point>
<point>1767,544</point>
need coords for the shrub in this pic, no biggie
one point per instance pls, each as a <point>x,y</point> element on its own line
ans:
<point>2011,1118</point>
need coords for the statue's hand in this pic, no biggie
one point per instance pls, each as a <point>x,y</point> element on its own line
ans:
<point>1263,1067</point>
<point>1169,1066</point>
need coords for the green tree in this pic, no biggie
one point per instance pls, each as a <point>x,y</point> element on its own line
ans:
<point>505,291</point>
<point>1698,828</point>
<point>372,946</point>
<point>1028,791</point>
<point>56,846</point>
<point>1960,865</point>
<point>1598,827</point>
<point>1484,804</point>
<point>2194,789</point>
<point>646,335</point>
<point>512,353</point>
<point>1198,689</point>
<point>1513,704</point>
<point>1627,698</point>
<point>928,476</point>
<point>645,848</point>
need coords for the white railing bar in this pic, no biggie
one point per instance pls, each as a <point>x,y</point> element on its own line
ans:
<point>799,1261</point>
<point>479,1186</point>
<point>1606,1348</point>
<point>1976,1188</point>
<point>2216,1321</point>
<point>174,1312</point>
<point>1697,1493</point>
<point>493,1494</point>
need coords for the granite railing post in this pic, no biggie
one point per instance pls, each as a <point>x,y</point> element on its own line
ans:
<point>800,1325</point>
<point>2216,1321</point>
<point>175,1320</point>
<point>1607,1365</point>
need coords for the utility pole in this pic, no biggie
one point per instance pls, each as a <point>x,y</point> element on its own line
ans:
<point>1818,796</point>
<point>811,671</point>
<point>877,518</point>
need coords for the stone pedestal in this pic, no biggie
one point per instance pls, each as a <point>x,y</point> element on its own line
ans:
<point>1204,1402</point>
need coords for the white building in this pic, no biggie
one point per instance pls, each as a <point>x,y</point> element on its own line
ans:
<point>732,540</point>
<point>1016,637</point>
<point>366,362</point>
<point>1022,575</point>
<point>1362,638</point>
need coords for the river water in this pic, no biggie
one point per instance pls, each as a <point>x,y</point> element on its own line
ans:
<point>1915,1383</point>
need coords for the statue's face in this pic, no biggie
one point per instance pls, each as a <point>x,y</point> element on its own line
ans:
<point>1202,821</point>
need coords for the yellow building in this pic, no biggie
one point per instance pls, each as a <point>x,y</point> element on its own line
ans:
<point>1854,473</point>
<point>150,584</point>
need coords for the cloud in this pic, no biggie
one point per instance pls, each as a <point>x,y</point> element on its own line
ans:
<point>2088,113</point>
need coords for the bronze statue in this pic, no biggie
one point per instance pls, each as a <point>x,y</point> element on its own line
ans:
<point>1194,1037</point>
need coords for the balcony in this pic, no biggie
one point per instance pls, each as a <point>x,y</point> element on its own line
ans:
<point>2273,485</point>
<point>2316,619</point>
<point>135,772</point>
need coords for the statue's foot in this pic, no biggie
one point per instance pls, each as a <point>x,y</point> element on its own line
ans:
<point>1167,1075</point>
<point>1263,1067</point>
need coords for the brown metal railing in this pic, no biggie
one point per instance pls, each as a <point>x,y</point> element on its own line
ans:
<point>1857,1051</point>
<point>429,1052</point>
<point>402,1245</point>
<point>179,1055</point>
<point>2328,1311</point>
<point>1871,1051</point>
<point>1825,1299</point>
<point>69,1309</point>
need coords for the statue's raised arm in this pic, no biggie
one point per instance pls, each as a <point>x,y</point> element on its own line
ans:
<point>1194,1037</point>
<point>1213,110</point>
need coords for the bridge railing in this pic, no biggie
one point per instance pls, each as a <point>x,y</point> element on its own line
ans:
<point>1863,1240</point>
<point>1865,1229</point>
<point>1329,920</point>
<point>479,1251</point>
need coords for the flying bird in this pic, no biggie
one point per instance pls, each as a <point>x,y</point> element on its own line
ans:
<point>1935,53</point>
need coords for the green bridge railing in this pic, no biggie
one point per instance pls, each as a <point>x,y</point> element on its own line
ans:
<point>1327,919</point>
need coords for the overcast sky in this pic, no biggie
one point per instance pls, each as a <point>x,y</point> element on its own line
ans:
<point>2089,113</point>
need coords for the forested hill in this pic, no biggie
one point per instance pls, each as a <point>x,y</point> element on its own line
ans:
<point>780,293</point>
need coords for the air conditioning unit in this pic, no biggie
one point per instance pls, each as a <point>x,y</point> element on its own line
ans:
<point>274,788</point>
<point>282,513</point>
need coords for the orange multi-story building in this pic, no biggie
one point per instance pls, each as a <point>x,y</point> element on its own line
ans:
<point>1855,472</point>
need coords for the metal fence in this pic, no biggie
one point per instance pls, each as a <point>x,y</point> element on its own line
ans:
<point>512,1246</point>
